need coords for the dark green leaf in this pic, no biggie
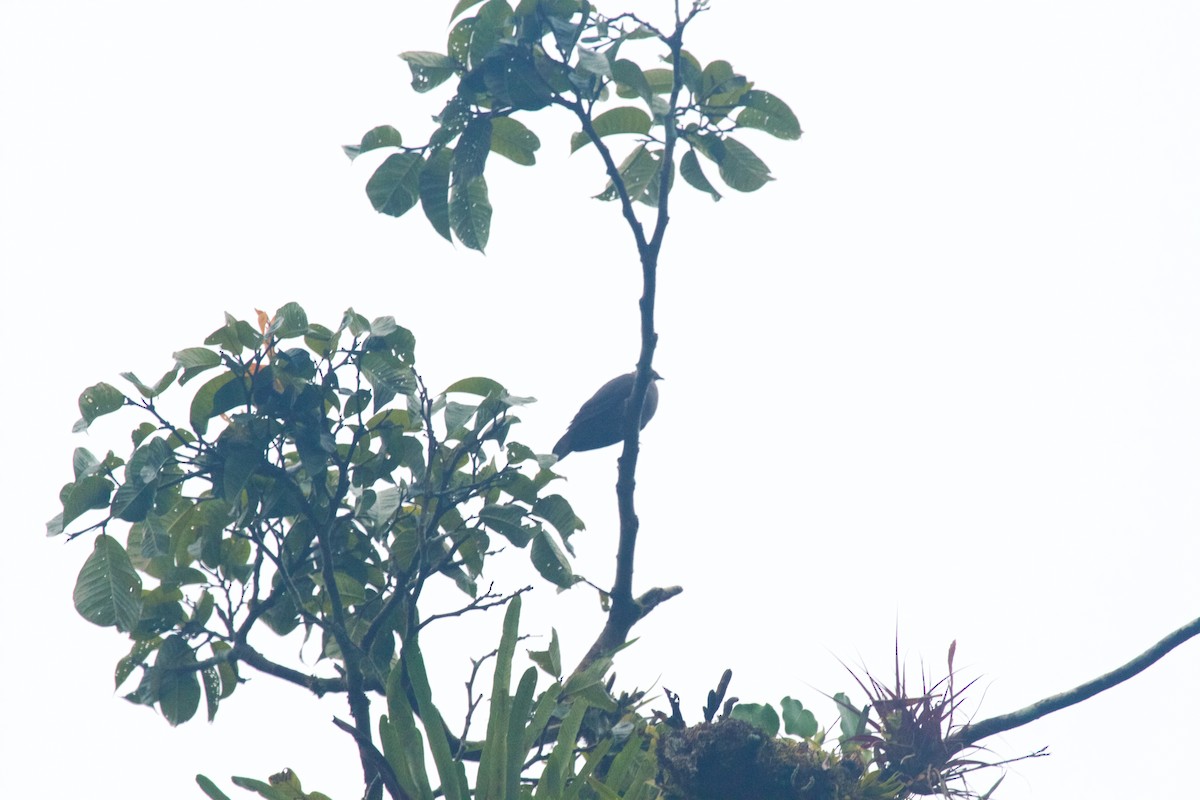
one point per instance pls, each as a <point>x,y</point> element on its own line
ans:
<point>766,112</point>
<point>207,404</point>
<point>471,213</point>
<point>108,592</point>
<point>429,70</point>
<point>393,189</point>
<point>461,6</point>
<point>493,24</point>
<point>506,520</point>
<point>689,168</point>
<point>176,685</point>
<point>760,715</point>
<point>382,136</point>
<point>514,141</point>
<point>518,82</point>
<point>434,188</point>
<point>86,494</point>
<point>625,119</point>
<point>689,67</point>
<point>550,562</point>
<point>470,156</point>
<point>558,512</point>
<point>98,400</point>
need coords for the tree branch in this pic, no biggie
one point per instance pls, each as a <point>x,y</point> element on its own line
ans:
<point>970,734</point>
<point>382,767</point>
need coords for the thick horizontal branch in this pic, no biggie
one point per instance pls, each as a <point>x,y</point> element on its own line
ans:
<point>970,734</point>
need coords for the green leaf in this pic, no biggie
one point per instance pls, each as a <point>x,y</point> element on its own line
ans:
<point>461,6</point>
<point>394,187</point>
<point>108,592</point>
<point>452,786</point>
<point>506,520</point>
<point>554,777</point>
<point>660,79</point>
<point>207,403</point>
<point>557,511</point>
<point>550,562</point>
<point>429,70</point>
<point>289,322</point>
<point>194,360</point>
<point>760,715</point>
<point>434,188</point>
<point>624,119</point>
<point>382,136</point>
<point>494,761</point>
<point>135,497</point>
<point>493,24</point>
<point>83,462</point>
<point>740,168</point>
<point>235,335</point>
<point>210,788</point>
<point>212,690</point>
<point>406,751</point>
<point>133,659</point>
<point>176,685</point>
<point>470,156</point>
<point>766,112</point>
<point>225,669</point>
<point>471,213</point>
<point>689,68</point>
<point>798,720</point>
<point>86,494</point>
<point>853,722</point>
<point>482,387</point>
<point>514,141</point>
<point>689,168</point>
<point>96,401</point>
<point>637,171</point>
<point>549,659</point>
<point>150,392</point>
<point>631,80</point>
<point>516,81</point>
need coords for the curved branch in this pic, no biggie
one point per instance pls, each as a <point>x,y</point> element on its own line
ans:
<point>970,734</point>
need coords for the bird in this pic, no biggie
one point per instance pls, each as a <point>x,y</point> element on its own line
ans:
<point>600,420</point>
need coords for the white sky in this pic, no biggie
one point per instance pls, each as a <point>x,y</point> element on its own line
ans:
<point>940,377</point>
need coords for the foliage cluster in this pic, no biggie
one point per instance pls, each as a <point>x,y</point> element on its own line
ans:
<point>564,53</point>
<point>317,484</point>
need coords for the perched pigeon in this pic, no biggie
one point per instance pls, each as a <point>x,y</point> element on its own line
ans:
<point>599,421</point>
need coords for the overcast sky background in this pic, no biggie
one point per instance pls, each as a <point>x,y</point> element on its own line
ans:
<point>941,378</point>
